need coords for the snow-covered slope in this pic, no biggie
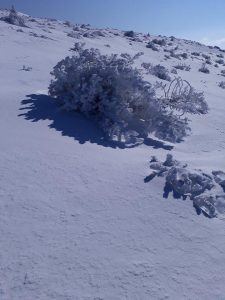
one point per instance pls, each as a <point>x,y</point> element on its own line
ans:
<point>77,220</point>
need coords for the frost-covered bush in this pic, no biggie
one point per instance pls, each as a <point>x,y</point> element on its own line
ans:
<point>195,53</point>
<point>174,71</point>
<point>220,61</point>
<point>184,55</point>
<point>206,56</point>
<point>160,42</point>
<point>203,69</point>
<point>208,62</point>
<point>74,34</point>
<point>152,46</point>
<point>161,72</point>
<point>26,68</point>
<point>173,54</point>
<point>68,24</point>
<point>14,19</point>
<point>203,189</point>
<point>181,96</point>
<point>129,33</point>
<point>110,91</point>
<point>222,84</point>
<point>222,72</point>
<point>183,67</point>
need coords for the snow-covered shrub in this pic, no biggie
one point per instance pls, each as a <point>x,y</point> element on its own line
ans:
<point>222,84</point>
<point>220,61</point>
<point>203,69</point>
<point>174,71</point>
<point>183,67</point>
<point>77,46</point>
<point>161,72</point>
<point>169,127</point>
<point>167,57</point>
<point>184,55</point>
<point>14,19</point>
<point>185,182</point>
<point>26,68</point>
<point>222,72</point>
<point>74,34</point>
<point>152,46</point>
<point>109,90</point>
<point>195,53</point>
<point>147,66</point>
<point>206,56</point>
<point>219,177</point>
<point>160,42</point>
<point>220,55</point>
<point>208,62</point>
<point>129,33</point>
<point>181,96</point>
<point>203,189</point>
<point>68,24</point>
<point>174,55</point>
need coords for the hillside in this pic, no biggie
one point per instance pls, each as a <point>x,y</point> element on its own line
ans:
<point>78,219</point>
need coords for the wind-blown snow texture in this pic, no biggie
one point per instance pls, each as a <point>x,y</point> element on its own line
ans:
<point>77,219</point>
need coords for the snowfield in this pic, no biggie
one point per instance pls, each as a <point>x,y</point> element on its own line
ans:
<point>78,221</point>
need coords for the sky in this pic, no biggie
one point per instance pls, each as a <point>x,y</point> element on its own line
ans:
<point>200,20</point>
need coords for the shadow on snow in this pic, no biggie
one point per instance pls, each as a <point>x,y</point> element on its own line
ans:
<point>39,107</point>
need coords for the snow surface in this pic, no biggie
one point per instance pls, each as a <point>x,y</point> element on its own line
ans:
<point>77,219</point>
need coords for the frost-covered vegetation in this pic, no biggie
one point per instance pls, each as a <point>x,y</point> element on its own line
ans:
<point>109,90</point>
<point>14,18</point>
<point>203,189</point>
<point>181,96</point>
<point>204,69</point>
<point>183,67</point>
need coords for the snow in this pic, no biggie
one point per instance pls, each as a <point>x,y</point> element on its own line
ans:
<point>78,221</point>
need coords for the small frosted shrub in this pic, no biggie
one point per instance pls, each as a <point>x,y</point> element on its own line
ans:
<point>174,55</point>
<point>26,68</point>
<point>206,56</point>
<point>152,46</point>
<point>222,84</point>
<point>74,34</point>
<point>203,69</point>
<point>208,62</point>
<point>68,24</point>
<point>161,72</point>
<point>159,42</point>
<point>195,54</point>
<point>184,55</point>
<point>182,67</point>
<point>129,34</point>
<point>181,96</point>
<point>174,71</point>
<point>222,72</point>
<point>14,19</point>
<point>220,61</point>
